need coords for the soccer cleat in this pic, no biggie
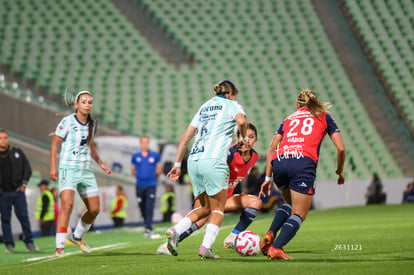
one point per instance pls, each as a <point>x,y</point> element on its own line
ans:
<point>81,243</point>
<point>60,252</point>
<point>31,247</point>
<point>163,250</point>
<point>229,241</point>
<point>278,254</point>
<point>205,253</point>
<point>9,248</point>
<point>172,238</point>
<point>268,240</point>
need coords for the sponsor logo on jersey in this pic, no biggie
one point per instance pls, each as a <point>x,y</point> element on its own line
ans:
<point>296,139</point>
<point>211,108</point>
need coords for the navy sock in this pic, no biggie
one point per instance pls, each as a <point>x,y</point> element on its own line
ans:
<point>281,215</point>
<point>246,218</point>
<point>187,233</point>
<point>289,229</point>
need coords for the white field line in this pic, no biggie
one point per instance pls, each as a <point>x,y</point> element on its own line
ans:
<point>52,257</point>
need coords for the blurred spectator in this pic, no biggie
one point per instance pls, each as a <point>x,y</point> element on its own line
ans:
<point>168,203</point>
<point>254,181</point>
<point>45,209</point>
<point>118,207</point>
<point>408,195</point>
<point>15,172</point>
<point>374,194</point>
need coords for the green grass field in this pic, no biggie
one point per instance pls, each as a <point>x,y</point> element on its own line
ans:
<point>356,240</point>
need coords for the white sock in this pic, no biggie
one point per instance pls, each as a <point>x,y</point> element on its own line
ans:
<point>81,229</point>
<point>183,225</point>
<point>233,235</point>
<point>60,240</point>
<point>212,231</point>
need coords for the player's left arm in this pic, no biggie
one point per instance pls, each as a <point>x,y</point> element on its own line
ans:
<point>340,156</point>
<point>336,138</point>
<point>95,157</point>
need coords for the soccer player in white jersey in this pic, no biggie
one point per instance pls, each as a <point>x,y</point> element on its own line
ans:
<point>75,134</point>
<point>213,125</point>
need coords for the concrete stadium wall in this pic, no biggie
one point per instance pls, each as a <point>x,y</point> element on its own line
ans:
<point>329,194</point>
<point>27,119</point>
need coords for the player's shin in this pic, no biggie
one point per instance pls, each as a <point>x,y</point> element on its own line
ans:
<point>246,218</point>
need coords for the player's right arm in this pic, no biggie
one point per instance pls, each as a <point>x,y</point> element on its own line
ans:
<point>175,172</point>
<point>242,125</point>
<point>57,141</point>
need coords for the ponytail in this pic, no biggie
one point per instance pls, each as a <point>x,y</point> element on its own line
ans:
<point>309,100</point>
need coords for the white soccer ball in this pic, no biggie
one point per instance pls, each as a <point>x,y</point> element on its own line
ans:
<point>248,243</point>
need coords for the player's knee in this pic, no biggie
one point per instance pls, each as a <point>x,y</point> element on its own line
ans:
<point>94,211</point>
<point>66,207</point>
<point>255,202</point>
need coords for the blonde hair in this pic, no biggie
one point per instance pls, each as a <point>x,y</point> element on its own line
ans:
<point>309,100</point>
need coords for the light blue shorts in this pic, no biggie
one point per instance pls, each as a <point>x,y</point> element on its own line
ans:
<point>208,175</point>
<point>81,180</point>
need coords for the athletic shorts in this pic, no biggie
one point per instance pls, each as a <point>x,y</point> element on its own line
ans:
<point>208,175</point>
<point>296,174</point>
<point>81,180</point>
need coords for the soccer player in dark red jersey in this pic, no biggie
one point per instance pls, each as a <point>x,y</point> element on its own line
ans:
<point>240,160</point>
<point>292,159</point>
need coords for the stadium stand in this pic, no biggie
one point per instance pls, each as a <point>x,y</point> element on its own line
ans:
<point>270,49</point>
<point>387,31</point>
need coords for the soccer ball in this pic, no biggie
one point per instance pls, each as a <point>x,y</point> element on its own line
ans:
<point>248,243</point>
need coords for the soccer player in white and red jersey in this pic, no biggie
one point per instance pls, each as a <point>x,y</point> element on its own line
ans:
<point>239,160</point>
<point>292,159</point>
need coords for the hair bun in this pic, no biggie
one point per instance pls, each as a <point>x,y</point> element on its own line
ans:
<point>218,88</point>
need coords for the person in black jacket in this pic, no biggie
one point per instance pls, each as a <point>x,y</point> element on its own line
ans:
<point>15,172</point>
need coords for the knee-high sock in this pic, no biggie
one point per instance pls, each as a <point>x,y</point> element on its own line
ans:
<point>246,218</point>
<point>81,229</point>
<point>212,231</point>
<point>281,215</point>
<point>183,225</point>
<point>289,229</point>
<point>188,232</point>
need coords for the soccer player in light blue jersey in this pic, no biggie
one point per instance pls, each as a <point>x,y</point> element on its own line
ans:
<point>75,135</point>
<point>213,127</point>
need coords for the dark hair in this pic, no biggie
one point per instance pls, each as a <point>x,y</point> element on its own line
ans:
<point>120,188</point>
<point>251,127</point>
<point>225,87</point>
<point>91,122</point>
<point>3,131</point>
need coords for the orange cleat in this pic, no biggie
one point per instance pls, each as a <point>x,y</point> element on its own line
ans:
<point>268,240</point>
<point>278,254</point>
